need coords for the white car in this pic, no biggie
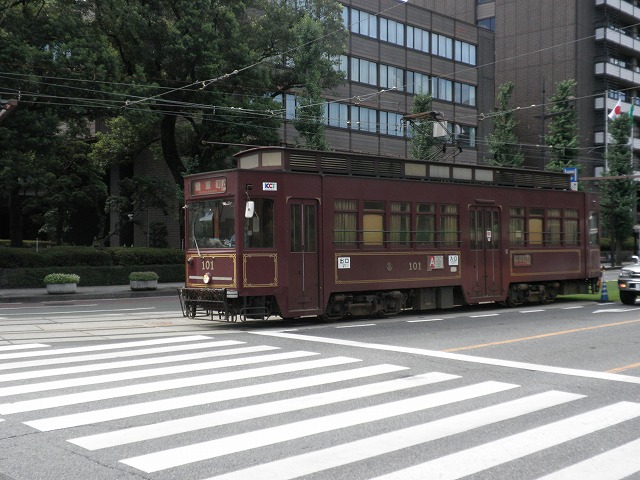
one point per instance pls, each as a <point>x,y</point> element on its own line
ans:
<point>629,282</point>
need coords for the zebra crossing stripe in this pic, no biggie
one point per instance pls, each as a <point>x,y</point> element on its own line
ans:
<point>482,457</point>
<point>225,417</point>
<point>24,346</point>
<point>615,464</point>
<point>238,443</point>
<point>105,356</point>
<point>339,455</point>
<point>95,367</point>
<point>128,411</point>
<point>152,372</point>
<point>110,346</point>
<point>163,385</point>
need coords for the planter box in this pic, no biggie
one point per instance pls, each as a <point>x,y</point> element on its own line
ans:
<point>143,284</point>
<point>56,288</point>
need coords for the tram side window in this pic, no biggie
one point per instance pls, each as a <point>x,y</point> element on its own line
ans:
<point>536,220</point>
<point>425,224</point>
<point>594,233</point>
<point>258,231</point>
<point>345,222</point>
<point>571,227</point>
<point>400,227</point>
<point>212,224</point>
<point>449,233</point>
<point>516,225</point>
<point>554,226</point>
<point>373,223</point>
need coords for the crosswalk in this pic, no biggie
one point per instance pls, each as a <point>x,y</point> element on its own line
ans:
<point>189,402</point>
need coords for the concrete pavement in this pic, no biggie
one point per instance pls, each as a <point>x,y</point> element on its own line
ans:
<point>24,295</point>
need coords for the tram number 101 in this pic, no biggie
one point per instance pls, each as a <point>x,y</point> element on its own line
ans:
<point>415,266</point>
<point>207,264</point>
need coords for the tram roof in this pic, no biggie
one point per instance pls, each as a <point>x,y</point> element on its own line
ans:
<point>365,165</point>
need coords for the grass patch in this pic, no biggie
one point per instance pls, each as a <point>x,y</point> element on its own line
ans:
<point>612,292</point>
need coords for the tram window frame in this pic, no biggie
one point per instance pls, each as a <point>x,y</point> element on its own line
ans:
<point>425,224</point>
<point>535,232</point>
<point>259,230</point>
<point>571,226</point>
<point>400,224</point>
<point>373,223</point>
<point>553,221</point>
<point>212,223</point>
<point>594,228</point>
<point>449,222</point>
<point>517,218</point>
<point>345,222</point>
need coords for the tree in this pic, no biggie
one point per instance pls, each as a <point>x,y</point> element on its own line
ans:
<point>503,142</point>
<point>207,72</point>
<point>562,138</point>
<point>617,196</point>
<point>422,142</point>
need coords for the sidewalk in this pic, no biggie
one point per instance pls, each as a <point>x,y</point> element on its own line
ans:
<point>26,295</point>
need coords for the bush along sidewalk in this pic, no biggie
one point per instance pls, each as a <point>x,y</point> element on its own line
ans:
<point>143,280</point>
<point>61,282</point>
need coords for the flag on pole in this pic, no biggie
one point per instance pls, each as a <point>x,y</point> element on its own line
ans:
<point>631,110</point>
<point>615,113</point>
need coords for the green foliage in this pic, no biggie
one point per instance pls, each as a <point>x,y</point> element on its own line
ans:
<point>54,278</point>
<point>503,142</point>
<point>422,142</point>
<point>143,276</point>
<point>158,233</point>
<point>562,138</point>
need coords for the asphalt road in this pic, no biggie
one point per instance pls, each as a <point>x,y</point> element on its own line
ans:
<point>130,389</point>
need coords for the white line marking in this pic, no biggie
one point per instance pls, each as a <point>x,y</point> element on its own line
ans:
<point>572,308</point>
<point>463,358</point>
<point>532,311</point>
<point>5,348</point>
<point>163,385</point>
<point>94,367</point>
<point>241,414</point>
<point>105,356</point>
<point>357,326</point>
<point>476,459</point>
<point>75,312</point>
<point>151,372</point>
<point>216,396</point>
<point>615,310</point>
<point>616,464</point>
<point>109,346</point>
<point>312,462</point>
<point>425,320</point>
<point>484,315</point>
<point>174,457</point>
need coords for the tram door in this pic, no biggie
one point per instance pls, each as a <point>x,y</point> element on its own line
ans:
<point>484,225</point>
<point>303,261</point>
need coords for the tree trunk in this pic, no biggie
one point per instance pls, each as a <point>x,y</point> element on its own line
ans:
<point>15,217</point>
<point>170,149</point>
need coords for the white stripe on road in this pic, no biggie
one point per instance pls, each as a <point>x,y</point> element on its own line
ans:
<point>615,464</point>
<point>105,356</point>
<point>308,463</point>
<point>239,443</point>
<point>94,367</point>
<point>615,377</point>
<point>108,346</point>
<point>163,385</point>
<point>152,372</point>
<point>128,411</point>
<point>474,460</point>
<point>225,417</point>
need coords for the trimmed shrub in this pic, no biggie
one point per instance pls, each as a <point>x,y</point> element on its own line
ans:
<point>143,276</point>
<point>61,278</point>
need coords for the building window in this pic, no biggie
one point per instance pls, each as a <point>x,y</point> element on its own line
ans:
<point>337,115</point>
<point>341,64</point>
<point>465,52</point>
<point>487,23</point>
<point>400,227</point>
<point>345,222</point>
<point>391,124</point>
<point>391,31</point>
<point>417,82</point>
<point>465,94</point>
<point>465,135</point>
<point>442,89</point>
<point>364,23</point>
<point>363,119</point>
<point>418,39</point>
<point>391,77</point>
<point>363,71</point>
<point>441,45</point>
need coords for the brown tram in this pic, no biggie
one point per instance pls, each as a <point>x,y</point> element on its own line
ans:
<point>293,232</point>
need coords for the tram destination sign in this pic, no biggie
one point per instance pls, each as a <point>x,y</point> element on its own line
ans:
<point>208,186</point>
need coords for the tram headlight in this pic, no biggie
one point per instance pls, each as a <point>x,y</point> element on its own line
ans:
<point>206,278</point>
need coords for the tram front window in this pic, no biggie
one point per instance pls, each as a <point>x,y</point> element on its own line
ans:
<point>212,224</point>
